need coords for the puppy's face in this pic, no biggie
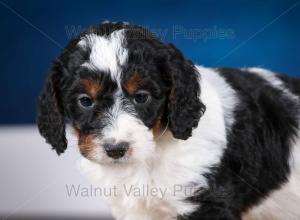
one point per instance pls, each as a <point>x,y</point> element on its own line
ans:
<point>120,87</point>
<point>116,106</point>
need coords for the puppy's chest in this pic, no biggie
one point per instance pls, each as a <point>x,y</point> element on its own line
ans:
<point>160,188</point>
<point>152,197</point>
<point>144,207</point>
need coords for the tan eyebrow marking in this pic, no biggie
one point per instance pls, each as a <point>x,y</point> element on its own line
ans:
<point>133,83</point>
<point>92,86</point>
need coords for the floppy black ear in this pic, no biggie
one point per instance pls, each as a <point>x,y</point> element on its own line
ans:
<point>50,118</point>
<point>185,107</point>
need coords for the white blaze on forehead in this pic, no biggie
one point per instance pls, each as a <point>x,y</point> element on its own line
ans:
<point>108,53</point>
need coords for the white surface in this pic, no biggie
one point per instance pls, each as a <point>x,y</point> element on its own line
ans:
<point>33,178</point>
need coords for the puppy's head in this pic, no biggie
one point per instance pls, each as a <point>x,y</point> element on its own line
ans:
<point>119,86</point>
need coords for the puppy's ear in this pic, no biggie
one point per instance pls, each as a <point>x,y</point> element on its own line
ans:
<point>184,107</point>
<point>50,118</point>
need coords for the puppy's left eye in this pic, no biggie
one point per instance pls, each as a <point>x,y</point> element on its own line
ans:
<point>141,97</point>
<point>85,101</point>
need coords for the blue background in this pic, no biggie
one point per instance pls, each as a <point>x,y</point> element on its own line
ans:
<point>262,33</point>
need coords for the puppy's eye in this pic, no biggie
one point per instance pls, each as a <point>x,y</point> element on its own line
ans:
<point>85,101</point>
<point>141,97</point>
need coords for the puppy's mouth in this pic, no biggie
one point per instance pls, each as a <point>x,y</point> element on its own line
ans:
<point>106,161</point>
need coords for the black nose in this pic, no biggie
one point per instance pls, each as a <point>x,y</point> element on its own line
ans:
<point>117,150</point>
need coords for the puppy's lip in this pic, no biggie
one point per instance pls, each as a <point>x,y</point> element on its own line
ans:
<point>120,161</point>
<point>113,162</point>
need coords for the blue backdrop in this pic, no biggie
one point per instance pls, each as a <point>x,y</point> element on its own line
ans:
<point>234,33</point>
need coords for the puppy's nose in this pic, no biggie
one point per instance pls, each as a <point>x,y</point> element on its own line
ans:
<point>116,150</point>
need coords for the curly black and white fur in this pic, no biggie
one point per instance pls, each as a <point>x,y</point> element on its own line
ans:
<point>216,144</point>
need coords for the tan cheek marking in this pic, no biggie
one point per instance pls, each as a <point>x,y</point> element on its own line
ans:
<point>86,143</point>
<point>133,83</point>
<point>93,87</point>
<point>157,128</point>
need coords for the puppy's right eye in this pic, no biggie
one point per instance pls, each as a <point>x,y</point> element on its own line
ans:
<point>85,101</point>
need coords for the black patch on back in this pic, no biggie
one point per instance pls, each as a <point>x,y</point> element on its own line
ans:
<point>292,83</point>
<point>256,160</point>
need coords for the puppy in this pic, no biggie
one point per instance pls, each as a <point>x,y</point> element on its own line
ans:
<point>200,143</point>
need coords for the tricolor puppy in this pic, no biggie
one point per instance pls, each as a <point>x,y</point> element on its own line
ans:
<point>211,144</point>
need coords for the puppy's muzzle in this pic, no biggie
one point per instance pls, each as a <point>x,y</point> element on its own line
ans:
<point>116,150</point>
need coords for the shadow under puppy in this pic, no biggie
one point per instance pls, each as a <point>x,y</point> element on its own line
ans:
<point>209,144</point>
